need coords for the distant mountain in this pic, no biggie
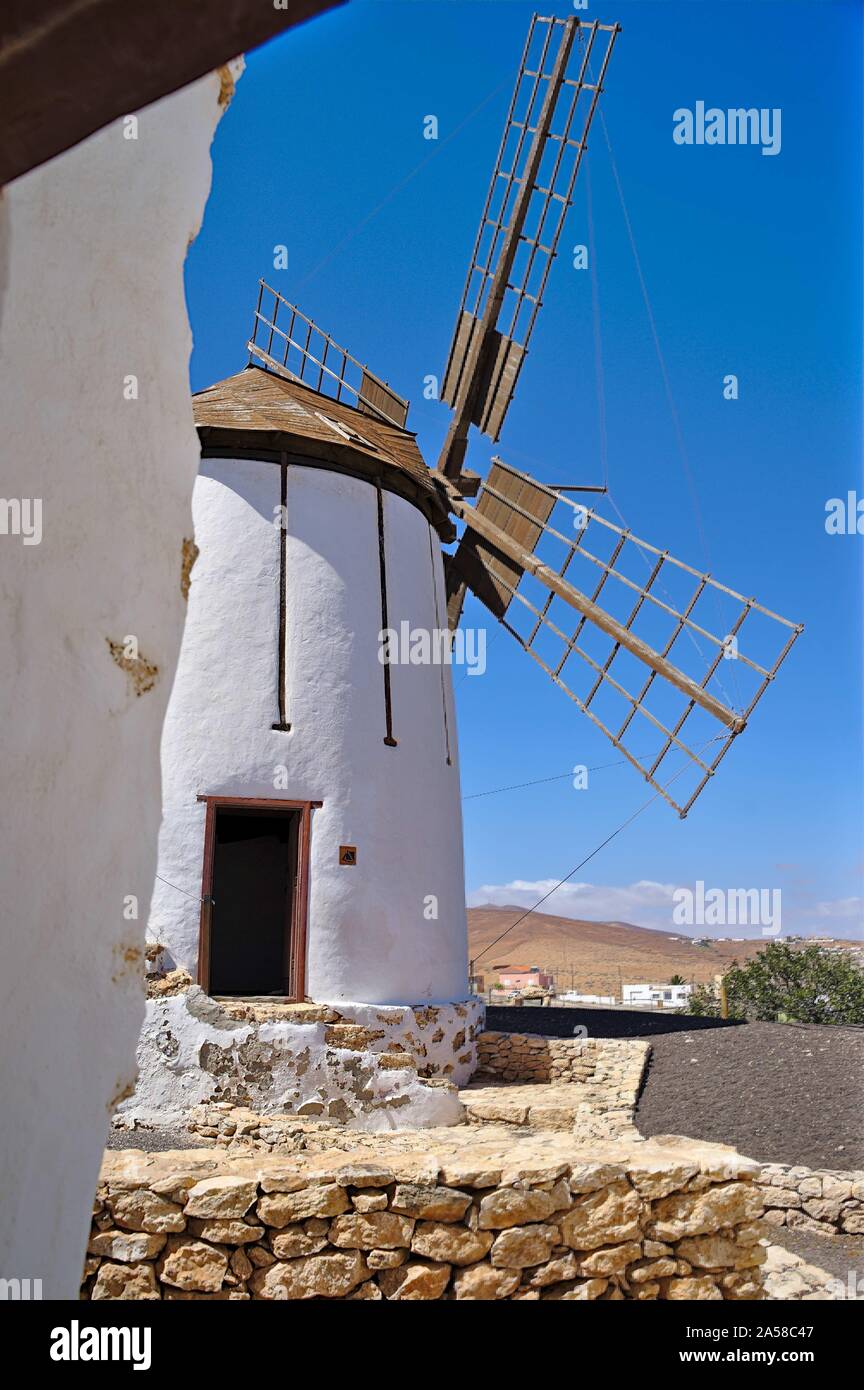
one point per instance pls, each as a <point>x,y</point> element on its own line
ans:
<point>595,957</point>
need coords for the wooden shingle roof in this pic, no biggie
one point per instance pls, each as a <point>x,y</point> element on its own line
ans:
<point>259,414</point>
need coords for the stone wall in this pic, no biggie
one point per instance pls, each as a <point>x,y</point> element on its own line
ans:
<point>541,1220</point>
<point>596,1081</point>
<point>527,1057</point>
<point>827,1203</point>
<point>367,1066</point>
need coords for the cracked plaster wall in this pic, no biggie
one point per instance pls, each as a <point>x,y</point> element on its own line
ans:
<point>367,1066</point>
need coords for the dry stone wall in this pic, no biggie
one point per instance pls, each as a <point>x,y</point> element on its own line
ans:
<point>541,1220</point>
<point>596,1082</point>
<point>827,1203</point>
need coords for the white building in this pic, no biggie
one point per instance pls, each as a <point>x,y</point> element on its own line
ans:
<point>571,997</point>
<point>656,996</point>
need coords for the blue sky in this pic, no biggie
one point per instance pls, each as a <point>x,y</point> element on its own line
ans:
<point>753,267</point>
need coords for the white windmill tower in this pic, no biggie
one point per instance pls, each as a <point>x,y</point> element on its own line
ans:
<point>312,806</point>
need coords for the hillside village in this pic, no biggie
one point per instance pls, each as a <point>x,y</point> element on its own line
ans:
<point>600,958</point>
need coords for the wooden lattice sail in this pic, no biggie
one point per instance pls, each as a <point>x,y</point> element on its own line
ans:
<point>645,660</point>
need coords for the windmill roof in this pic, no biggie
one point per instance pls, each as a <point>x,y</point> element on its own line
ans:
<point>256,413</point>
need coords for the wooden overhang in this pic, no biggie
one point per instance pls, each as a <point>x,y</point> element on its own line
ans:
<point>69,67</point>
<point>257,414</point>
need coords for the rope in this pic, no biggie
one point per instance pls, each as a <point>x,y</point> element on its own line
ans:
<point>667,385</point>
<point>196,898</point>
<point>397,188</point>
<point>598,343</point>
<point>559,776</point>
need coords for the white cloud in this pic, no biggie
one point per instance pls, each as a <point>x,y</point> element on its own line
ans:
<point>650,904</point>
<point>646,904</point>
<point>842,909</point>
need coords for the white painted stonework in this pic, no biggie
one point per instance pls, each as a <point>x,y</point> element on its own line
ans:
<point>193,1051</point>
<point>92,247</point>
<point>392,929</point>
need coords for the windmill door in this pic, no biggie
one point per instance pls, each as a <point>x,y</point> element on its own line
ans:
<point>253,918</point>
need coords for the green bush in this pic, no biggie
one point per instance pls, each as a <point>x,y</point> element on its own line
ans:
<point>788,985</point>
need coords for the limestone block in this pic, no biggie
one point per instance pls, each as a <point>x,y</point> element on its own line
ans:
<point>386,1259</point>
<point>513,1206</point>
<point>484,1282</point>
<point>221,1197</point>
<point>127,1246</point>
<point>693,1289</point>
<point>519,1247</point>
<point>146,1211</point>
<point>603,1217</point>
<point>727,1204</point>
<point>651,1270</point>
<point>283,1208</point>
<point>448,1242</point>
<point>709,1252</point>
<point>332,1274</point>
<point>612,1259</point>
<point>222,1231</point>
<point>417,1280</point>
<point>782,1197</point>
<point>297,1240</point>
<point>192,1264</point>
<point>136,1281</point>
<point>374,1230</point>
<point>241,1266</point>
<point>372,1200</point>
<point>430,1202</point>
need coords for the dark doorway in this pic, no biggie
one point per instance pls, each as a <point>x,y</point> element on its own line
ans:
<point>253,886</point>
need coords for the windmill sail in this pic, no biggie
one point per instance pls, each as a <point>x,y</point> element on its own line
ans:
<point>294,346</point>
<point>657,646</point>
<point>544,139</point>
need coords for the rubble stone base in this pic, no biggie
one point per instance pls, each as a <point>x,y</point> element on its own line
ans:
<point>368,1066</point>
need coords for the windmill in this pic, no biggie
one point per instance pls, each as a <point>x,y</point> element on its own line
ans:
<point>308,775</point>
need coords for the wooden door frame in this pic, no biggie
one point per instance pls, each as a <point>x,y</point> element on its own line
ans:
<point>300,896</point>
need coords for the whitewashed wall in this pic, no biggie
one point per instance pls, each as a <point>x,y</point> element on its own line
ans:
<point>92,247</point>
<point>369,940</point>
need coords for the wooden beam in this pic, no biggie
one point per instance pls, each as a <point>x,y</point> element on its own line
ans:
<point>455,444</point>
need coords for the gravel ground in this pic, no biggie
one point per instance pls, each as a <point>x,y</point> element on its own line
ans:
<point>837,1254</point>
<point>155,1140</point>
<point>560,1022</point>
<point>779,1092</point>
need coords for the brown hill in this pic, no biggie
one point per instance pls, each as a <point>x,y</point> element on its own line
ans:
<point>595,957</point>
